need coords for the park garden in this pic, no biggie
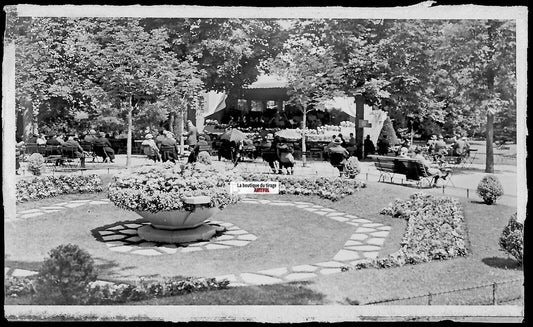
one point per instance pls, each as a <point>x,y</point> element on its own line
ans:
<point>139,231</point>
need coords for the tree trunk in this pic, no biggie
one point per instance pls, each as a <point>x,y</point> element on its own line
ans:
<point>180,128</point>
<point>172,118</point>
<point>304,125</point>
<point>129,140</point>
<point>489,160</point>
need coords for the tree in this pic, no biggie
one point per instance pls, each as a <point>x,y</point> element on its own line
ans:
<point>127,63</point>
<point>312,73</point>
<point>483,70</point>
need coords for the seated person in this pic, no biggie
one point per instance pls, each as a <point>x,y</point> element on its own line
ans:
<point>194,153</point>
<point>91,137</point>
<point>338,155</point>
<point>329,146</point>
<point>74,148</point>
<point>102,147</point>
<point>269,153</point>
<point>432,169</point>
<point>286,159</point>
<point>150,148</point>
<point>168,148</point>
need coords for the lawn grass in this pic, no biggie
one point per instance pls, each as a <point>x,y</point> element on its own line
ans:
<point>485,264</point>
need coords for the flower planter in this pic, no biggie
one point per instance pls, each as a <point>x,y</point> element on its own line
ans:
<point>180,226</point>
<point>179,219</point>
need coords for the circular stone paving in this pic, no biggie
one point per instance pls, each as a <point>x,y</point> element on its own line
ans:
<point>123,237</point>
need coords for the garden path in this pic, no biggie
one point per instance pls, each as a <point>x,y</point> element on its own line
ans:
<point>365,243</point>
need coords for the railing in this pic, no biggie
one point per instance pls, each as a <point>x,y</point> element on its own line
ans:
<point>500,292</point>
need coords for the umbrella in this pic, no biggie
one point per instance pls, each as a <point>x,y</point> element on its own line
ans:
<point>233,135</point>
<point>289,134</point>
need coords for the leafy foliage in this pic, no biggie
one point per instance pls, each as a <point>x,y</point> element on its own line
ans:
<point>157,188</point>
<point>65,275</point>
<point>435,231</point>
<point>36,163</point>
<point>490,189</point>
<point>325,187</point>
<point>49,186</point>
<point>512,239</point>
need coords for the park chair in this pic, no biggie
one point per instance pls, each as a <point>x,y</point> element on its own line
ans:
<point>205,147</point>
<point>168,153</point>
<point>53,155</point>
<point>316,152</point>
<point>88,147</point>
<point>99,151</point>
<point>71,159</point>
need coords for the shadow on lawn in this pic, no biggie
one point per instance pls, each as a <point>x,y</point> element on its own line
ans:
<point>502,263</point>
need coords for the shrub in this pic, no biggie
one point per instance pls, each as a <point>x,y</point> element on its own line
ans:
<point>36,163</point>
<point>328,188</point>
<point>64,276</point>
<point>490,189</point>
<point>155,188</point>
<point>204,158</point>
<point>351,167</point>
<point>49,186</point>
<point>512,239</point>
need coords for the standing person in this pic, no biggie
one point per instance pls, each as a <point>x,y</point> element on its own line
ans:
<point>107,151</point>
<point>150,148</point>
<point>368,147</point>
<point>72,145</point>
<point>383,146</point>
<point>236,149</point>
<point>192,135</point>
<point>19,149</point>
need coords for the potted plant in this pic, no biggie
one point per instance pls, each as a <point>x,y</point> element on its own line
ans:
<point>173,197</point>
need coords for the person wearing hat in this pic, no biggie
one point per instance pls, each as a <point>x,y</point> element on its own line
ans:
<point>431,168</point>
<point>91,137</point>
<point>73,147</point>
<point>41,140</point>
<point>168,148</point>
<point>192,134</point>
<point>441,149</point>
<point>150,148</point>
<point>194,153</point>
<point>52,139</point>
<point>459,148</point>
<point>102,147</point>
<point>337,155</point>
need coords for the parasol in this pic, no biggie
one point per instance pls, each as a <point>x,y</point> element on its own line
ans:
<point>233,135</point>
<point>289,134</point>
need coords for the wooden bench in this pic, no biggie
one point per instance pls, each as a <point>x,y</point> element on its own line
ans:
<point>413,169</point>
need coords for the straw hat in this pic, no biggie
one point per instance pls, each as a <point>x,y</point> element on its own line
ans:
<point>337,141</point>
<point>433,137</point>
<point>92,132</point>
<point>149,136</point>
<point>403,150</point>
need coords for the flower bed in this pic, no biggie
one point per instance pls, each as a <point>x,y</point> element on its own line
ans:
<point>163,188</point>
<point>435,231</point>
<point>328,188</point>
<point>111,293</point>
<point>49,186</point>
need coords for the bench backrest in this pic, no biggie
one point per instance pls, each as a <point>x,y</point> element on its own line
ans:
<point>205,147</point>
<point>412,168</point>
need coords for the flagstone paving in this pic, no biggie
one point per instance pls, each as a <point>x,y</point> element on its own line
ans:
<point>365,243</point>
<point>30,213</point>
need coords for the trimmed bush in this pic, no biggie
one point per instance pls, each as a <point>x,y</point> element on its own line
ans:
<point>64,276</point>
<point>490,189</point>
<point>512,239</point>
<point>36,163</point>
<point>351,167</point>
<point>49,186</point>
<point>333,189</point>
